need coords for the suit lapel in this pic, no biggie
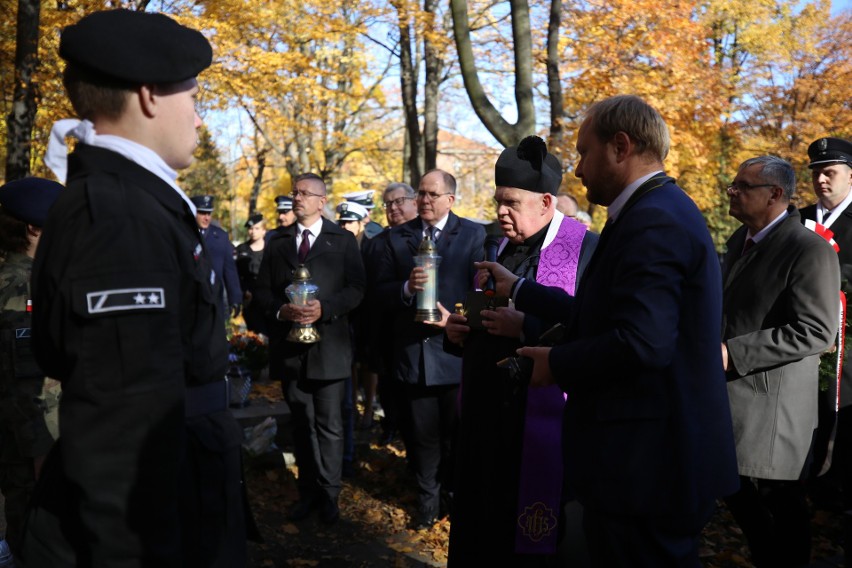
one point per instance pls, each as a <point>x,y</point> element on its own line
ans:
<point>411,233</point>
<point>324,241</point>
<point>450,232</point>
<point>288,245</point>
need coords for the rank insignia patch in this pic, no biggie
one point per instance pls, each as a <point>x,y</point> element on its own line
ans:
<point>124,299</point>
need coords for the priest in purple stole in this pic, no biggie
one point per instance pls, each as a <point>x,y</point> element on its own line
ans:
<point>508,484</point>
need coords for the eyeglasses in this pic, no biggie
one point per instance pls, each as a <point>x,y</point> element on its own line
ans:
<point>430,194</point>
<point>300,193</point>
<point>399,202</point>
<point>740,186</point>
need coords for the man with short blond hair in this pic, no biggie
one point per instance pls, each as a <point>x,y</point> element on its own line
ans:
<point>647,437</point>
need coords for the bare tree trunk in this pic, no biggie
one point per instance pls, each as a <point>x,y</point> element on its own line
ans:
<point>408,81</point>
<point>434,65</point>
<point>505,132</point>
<point>258,181</point>
<point>554,85</point>
<point>19,123</point>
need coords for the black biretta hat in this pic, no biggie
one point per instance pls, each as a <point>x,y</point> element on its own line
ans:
<point>29,199</point>
<point>136,47</point>
<point>528,166</point>
<point>830,150</point>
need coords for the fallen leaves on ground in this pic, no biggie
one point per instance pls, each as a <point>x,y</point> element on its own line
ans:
<point>377,505</point>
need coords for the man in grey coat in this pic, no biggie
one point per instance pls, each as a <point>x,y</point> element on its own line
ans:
<point>780,312</point>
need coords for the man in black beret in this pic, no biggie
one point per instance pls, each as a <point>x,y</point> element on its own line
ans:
<point>221,253</point>
<point>541,244</point>
<point>831,217</point>
<point>127,318</point>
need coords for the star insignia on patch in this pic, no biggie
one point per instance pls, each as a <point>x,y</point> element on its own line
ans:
<point>125,299</point>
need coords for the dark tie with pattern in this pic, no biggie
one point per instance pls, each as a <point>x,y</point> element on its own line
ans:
<point>304,246</point>
<point>433,233</point>
<point>748,244</point>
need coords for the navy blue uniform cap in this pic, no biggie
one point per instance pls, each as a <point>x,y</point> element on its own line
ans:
<point>137,47</point>
<point>29,199</point>
<point>203,203</point>
<point>283,203</point>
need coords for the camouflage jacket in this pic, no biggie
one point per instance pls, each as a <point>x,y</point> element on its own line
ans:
<point>23,429</point>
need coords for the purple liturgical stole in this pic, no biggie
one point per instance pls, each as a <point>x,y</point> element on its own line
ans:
<point>540,490</point>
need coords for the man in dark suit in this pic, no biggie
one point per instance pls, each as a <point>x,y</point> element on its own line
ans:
<point>781,287</point>
<point>221,253</point>
<point>147,472</point>
<point>430,376</point>
<point>831,216</point>
<point>313,375</point>
<point>647,434</point>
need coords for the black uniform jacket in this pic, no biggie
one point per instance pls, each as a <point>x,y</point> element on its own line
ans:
<point>128,320</point>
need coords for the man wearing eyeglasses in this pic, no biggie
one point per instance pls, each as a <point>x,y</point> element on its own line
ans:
<point>780,290</point>
<point>430,376</point>
<point>313,375</point>
<point>399,203</point>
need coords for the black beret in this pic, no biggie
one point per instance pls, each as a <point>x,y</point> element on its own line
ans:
<point>254,220</point>
<point>830,150</point>
<point>203,203</point>
<point>284,203</point>
<point>29,199</point>
<point>528,166</point>
<point>137,47</point>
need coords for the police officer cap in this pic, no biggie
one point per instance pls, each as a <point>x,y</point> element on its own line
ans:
<point>364,198</point>
<point>254,220</point>
<point>284,203</point>
<point>528,166</point>
<point>29,199</point>
<point>137,47</point>
<point>351,211</point>
<point>203,203</point>
<point>830,150</point>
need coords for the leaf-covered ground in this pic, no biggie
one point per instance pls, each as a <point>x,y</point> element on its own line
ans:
<point>376,505</point>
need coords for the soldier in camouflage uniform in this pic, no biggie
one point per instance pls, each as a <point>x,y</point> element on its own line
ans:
<point>28,401</point>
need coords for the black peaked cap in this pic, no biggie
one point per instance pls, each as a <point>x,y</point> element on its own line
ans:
<point>830,150</point>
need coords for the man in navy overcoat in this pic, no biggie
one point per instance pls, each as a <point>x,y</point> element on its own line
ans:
<point>648,441</point>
